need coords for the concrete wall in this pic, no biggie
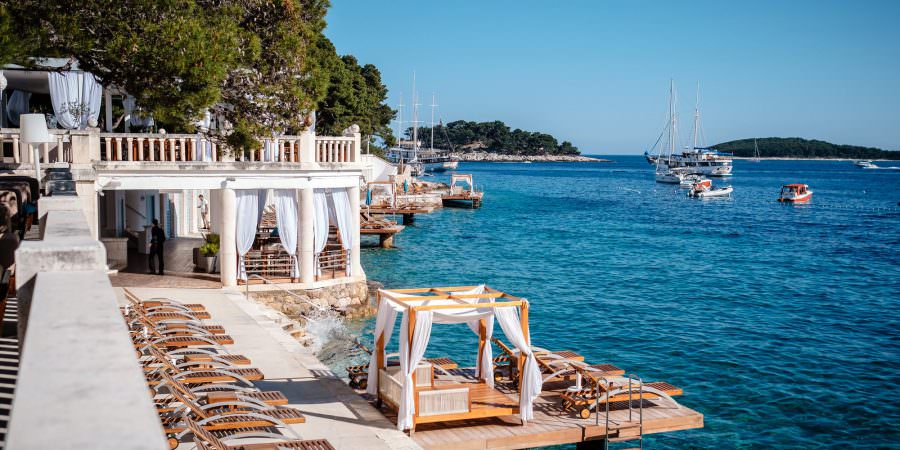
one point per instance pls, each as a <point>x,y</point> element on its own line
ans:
<point>79,383</point>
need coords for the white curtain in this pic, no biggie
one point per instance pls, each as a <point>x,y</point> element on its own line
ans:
<point>75,97</point>
<point>531,374</point>
<point>247,212</point>
<point>18,103</point>
<point>270,151</point>
<point>486,370</point>
<point>286,216</point>
<point>202,150</point>
<point>139,119</point>
<point>342,215</point>
<point>384,323</point>
<point>410,357</point>
<point>320,221</point>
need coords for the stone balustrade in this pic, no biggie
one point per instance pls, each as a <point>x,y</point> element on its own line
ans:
<point>79,383</point>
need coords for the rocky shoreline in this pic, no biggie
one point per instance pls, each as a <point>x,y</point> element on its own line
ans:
<point>496,157</point>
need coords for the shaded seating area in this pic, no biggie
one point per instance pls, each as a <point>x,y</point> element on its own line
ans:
<point>416,389</point>
<point>202,392</point>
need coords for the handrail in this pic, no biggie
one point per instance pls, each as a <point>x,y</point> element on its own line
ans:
<point>267,281</point>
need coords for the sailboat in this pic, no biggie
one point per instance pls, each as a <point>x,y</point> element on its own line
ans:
<point>755,151</point>
<point>664,172</point>
<point>420,160</point>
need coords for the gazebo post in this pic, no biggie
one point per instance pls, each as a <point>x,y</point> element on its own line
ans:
<point>482,341</point>
<point>411,325</point>
<point>523,320</point>
<point>379,353</point>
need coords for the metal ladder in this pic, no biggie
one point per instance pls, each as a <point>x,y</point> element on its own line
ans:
<point>635,385</point>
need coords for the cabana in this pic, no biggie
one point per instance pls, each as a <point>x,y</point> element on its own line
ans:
<point>412,387</point>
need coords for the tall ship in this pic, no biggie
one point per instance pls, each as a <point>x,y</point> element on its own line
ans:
<point>409,153</point>
<point>697,159</point>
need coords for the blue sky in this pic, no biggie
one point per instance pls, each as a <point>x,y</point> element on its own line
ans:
<point>597,72</point>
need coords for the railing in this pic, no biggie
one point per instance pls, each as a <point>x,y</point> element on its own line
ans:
<point>333,261</point>
<point>165,147</point>
<point>58,151</point>
<point>273,265</point>
<point>336,149</point>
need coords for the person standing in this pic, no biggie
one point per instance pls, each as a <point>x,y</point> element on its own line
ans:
<point>204,212</point>
<point>157,242</point>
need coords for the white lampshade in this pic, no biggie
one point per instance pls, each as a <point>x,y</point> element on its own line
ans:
<point>34,129</point>
<point>3,82</point>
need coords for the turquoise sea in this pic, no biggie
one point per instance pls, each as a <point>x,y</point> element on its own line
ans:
<point>781,323</point>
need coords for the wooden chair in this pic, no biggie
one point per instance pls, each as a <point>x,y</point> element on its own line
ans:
<point>197,372</point>
<point>601,390</point>
<point>207,440</point>
<point>227,398</point>
<point>159,301</point>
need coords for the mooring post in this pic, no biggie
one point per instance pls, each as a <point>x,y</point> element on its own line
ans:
<point>386,240</point>
<point>408,218</point>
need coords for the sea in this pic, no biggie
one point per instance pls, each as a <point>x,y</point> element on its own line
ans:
<point>780,322</point>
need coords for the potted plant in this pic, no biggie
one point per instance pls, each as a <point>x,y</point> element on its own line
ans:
<point>208,251</point>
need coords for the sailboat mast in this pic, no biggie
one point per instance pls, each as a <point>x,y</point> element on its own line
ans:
<point>673,121</point>
<point>433,105</point>
<point>415,120</point>
<point>400,127</point>
<point>697,117</point>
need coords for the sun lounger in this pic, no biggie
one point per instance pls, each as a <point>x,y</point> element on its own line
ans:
<point>199,372</point>
<point>610,389</point>
<point>207,440</point>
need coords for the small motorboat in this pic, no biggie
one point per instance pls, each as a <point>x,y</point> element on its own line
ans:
<point>689,180</point>
<point>704,189</point>
<point>795,193</point>
<point>866,165</point>
<point>669,176</point>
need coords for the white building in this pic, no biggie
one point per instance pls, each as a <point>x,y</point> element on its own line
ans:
<point>127,179</point>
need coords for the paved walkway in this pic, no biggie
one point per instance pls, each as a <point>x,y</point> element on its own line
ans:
<point>332,409</point>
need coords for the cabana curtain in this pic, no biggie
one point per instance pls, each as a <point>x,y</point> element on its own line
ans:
<point>320,222</point>
<point>486,370</point>
<point>410,357</point>
<point>343,217</point>
<point>18,103</point>
<point>202,150</point>
<point>75,97</point>
<point>531,373</point>
<point>247,217</point>
<point>286,217</point>
<point>384,321</point>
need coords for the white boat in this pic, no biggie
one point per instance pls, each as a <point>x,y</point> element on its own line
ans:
<point>689,180</point>
<point>697,159</point>
<point>866,165</point>
<point>664,173</point>
<point>755,151</point>
<point>421,160</point>
<point>704,189</point>
<point>669,177</point>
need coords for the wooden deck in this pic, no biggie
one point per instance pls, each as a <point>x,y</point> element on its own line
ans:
<point>551,425</point>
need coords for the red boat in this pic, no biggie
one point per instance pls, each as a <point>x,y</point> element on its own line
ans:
<point>795,193</point>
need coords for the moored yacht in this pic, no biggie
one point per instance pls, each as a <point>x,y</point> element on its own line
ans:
<point>795,193</point>
<point>867,164</point>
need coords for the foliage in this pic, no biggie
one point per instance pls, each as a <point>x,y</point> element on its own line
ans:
<point>15,44</point>
<point>210,245</point>
<point>179,57</point>
<point>356,95</point>
<point>774,147</point>
<point>496,137</point>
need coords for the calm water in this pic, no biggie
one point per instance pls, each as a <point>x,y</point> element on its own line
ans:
<point>781,323</point>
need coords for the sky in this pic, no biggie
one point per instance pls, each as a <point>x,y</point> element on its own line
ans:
<point>597,73</point>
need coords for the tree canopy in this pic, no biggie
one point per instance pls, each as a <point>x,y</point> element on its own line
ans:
<point>495,137</point>
<point>355,95</point>
<point>264,65</point>
<point>774,147</point>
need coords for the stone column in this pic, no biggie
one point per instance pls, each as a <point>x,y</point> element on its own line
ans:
<point>307,236</point>
<point>227,246</point>
<point>90,205</point>
<point>355,266</point>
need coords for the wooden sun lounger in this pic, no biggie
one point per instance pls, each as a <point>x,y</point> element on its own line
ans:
<point>225,397</point>
<point>177,341</point>
<point>199,372</point>
<point>236,360</point>
<point>585,399</point>
<point>154,302</point>
<point>207,440</point>
<point>225,418</point>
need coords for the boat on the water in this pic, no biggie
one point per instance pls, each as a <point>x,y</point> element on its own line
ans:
<point>688,180</point>
<point>795,193</point>
<point>669,177</point>
<point>421,160</point>
<point>696,159</point>
<point>705,189</point>
<point>866,164</point>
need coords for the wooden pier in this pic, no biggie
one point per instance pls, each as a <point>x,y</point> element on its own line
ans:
<point>465,200</point>
<point>554,426</point>
<point>408,212</point>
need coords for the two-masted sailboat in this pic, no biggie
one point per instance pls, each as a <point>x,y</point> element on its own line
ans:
<point>696,159</point>
<point>421,160</point>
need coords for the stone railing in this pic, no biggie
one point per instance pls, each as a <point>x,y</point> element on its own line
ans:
<point>13,151</point>
<point>337,149</point>
<point>165,147</point>
<point>79,383</point>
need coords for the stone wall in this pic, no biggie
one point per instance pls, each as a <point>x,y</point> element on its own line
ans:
<point>350,299</point>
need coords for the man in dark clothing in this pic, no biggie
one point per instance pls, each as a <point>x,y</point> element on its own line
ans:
<point>157,241</point>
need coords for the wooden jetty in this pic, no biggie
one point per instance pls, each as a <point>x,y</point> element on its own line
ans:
<point>462,192</point>
<point>383,228</point>
<point>580,403</point>
<point>407,212</point>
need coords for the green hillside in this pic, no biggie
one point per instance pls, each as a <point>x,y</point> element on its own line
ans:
<point>774,147</point>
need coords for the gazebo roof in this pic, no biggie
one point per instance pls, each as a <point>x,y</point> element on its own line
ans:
<point>450,297</point>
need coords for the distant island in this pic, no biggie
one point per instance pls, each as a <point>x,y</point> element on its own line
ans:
<point>774,147</point>
<point>494,138</point>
